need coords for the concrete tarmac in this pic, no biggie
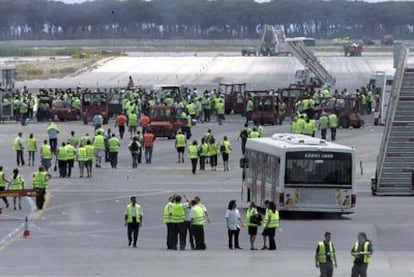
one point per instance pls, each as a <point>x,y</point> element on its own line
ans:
<point>81,233</point>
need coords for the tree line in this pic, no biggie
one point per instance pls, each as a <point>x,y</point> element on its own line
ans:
<point>212,19</point>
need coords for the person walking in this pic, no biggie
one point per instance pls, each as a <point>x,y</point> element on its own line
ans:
<point>53,132</point>
<point>114,147</point>
<point>46,155</point>
<point>270,223</point>
<point>61,160</point>
<point>225,149</point>
<point>180,145</point>
<point>40,184</point>
<point>132,123</point>
<point>244,135</point>
<point>193,156</point>
<point>213,153</point>
<point>233,221</point>
<point>143,122</point>
<point>252,221</point>
<point>3,185</point>
<point>134,147</point>
<point>148,145</point>
<point>333,124</point>
<point>197,225</point>
<point>16,183</point>
<point>18,146</point>
<point>120,123</point>
<point>323,124</point>
<point>70,158</point>
<point>73,139</point>
<point>188,229</point>
<point>82,159</point>
<point>203,150</point>
<point>220,107</point>
<point>362,253</point>
<point>325,257</point>
<point>90,153</point>
<point>31,148</point>
<point>133,220</point>
<point>140,139</point>
<point>99,147</point>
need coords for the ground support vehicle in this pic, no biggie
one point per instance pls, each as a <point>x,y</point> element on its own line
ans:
<point>352,49</point>
<point>387,39</point>
<point>93,103</point>
<point>44,106</point>
<point>63,111</point>
<point>290,96</point>
<point>347,109</point>
<point>300,174</point>
<point>234,97</point>
<point>8,76</point>
<point>265,108</point>
<point>165,121</point>
<point>250,51</point>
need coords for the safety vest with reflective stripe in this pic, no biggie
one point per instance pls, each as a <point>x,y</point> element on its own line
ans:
<point>70,152</point>
<point>31,145</point>
<point>90,151</point>
<point>322,252</point>
<point>249,213</point>
<point>333,121</point>
<point>61,154</point>
<point>180,140</point>
<point>137,212</point>
<point>323,122</point>
<point>166,215</point>
<point>367,258</point>
<point>204,149</point>
<point>212,149</point>
<point>113,144</point>
<point>16,144</point>
<point>177,213</point>
<point>82,155</point>
<point>192,152</point>
<point>227,146</point>
<point>3,183</point>
<point>198,215</point>
<point>271,219</point>
<point>254,134</point>
<point>132,120</point>
<point>74,141</point>
<point>46,152</point>
<point>99,142</point>
<point>40,180</point>
<point>17,183</point>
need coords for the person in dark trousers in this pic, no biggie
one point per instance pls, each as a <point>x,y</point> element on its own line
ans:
<point>18,146</point>
<point>325,257</point>
<point>197,224</point>
<point>244,135</point>
<point>133,219</point>
<point>233,222</point>
<point>193,156</point>
<point>148,145</point>
<point>362,252</point>
<point>270,223</point>
<point>189,230</point>
<point>167,221</point>
<point>3,185</point>
<point>134,147</point>
<point>40,184</point>
<point>177,213</point>
<point>61,160</point>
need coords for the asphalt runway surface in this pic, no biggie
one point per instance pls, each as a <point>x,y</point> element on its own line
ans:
<point>81,232</point>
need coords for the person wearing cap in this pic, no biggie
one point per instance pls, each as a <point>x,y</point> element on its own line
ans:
<point>133,220</point>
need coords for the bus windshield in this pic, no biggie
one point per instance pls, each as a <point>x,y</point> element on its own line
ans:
<point>318,168</point>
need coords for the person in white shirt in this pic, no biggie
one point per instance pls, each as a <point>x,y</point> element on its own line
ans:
<point>233,221</point>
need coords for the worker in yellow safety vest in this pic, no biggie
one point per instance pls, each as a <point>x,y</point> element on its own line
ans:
<point>40,183</point>
<point>90,153</point>
<point>133,220</point>
<point>18,146</point>
<point>362,253</point>
<point>82,158</point>
<point>31,148</point>
<point>70,158</point>
<point>61,160</point>
<point>270,223</point>
<point>325,257</point>
<point>193,156</point>
<point>46,155</point>
<point>180,145</point>
<point>3,185</point>
<point>16,183</point>
<point>114,147</point>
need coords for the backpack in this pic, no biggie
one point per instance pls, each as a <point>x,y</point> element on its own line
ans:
<point>244,134</point>
<point>133,147</point>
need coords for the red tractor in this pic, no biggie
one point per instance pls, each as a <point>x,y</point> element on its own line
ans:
<point>165,121</point>
<point>234,97</point>
<point>95,103</point>
<point>353,49</point>
<point>265,108</point>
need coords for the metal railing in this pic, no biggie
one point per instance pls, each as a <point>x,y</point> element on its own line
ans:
<point>392,109</point>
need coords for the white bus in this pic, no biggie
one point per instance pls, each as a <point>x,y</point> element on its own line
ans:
<point>299,173</point>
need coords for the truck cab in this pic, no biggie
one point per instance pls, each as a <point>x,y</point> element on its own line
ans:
<point>165,121</point>
<point>93,103</point>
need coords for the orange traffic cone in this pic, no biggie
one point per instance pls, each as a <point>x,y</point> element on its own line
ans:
<point>26,232</point>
